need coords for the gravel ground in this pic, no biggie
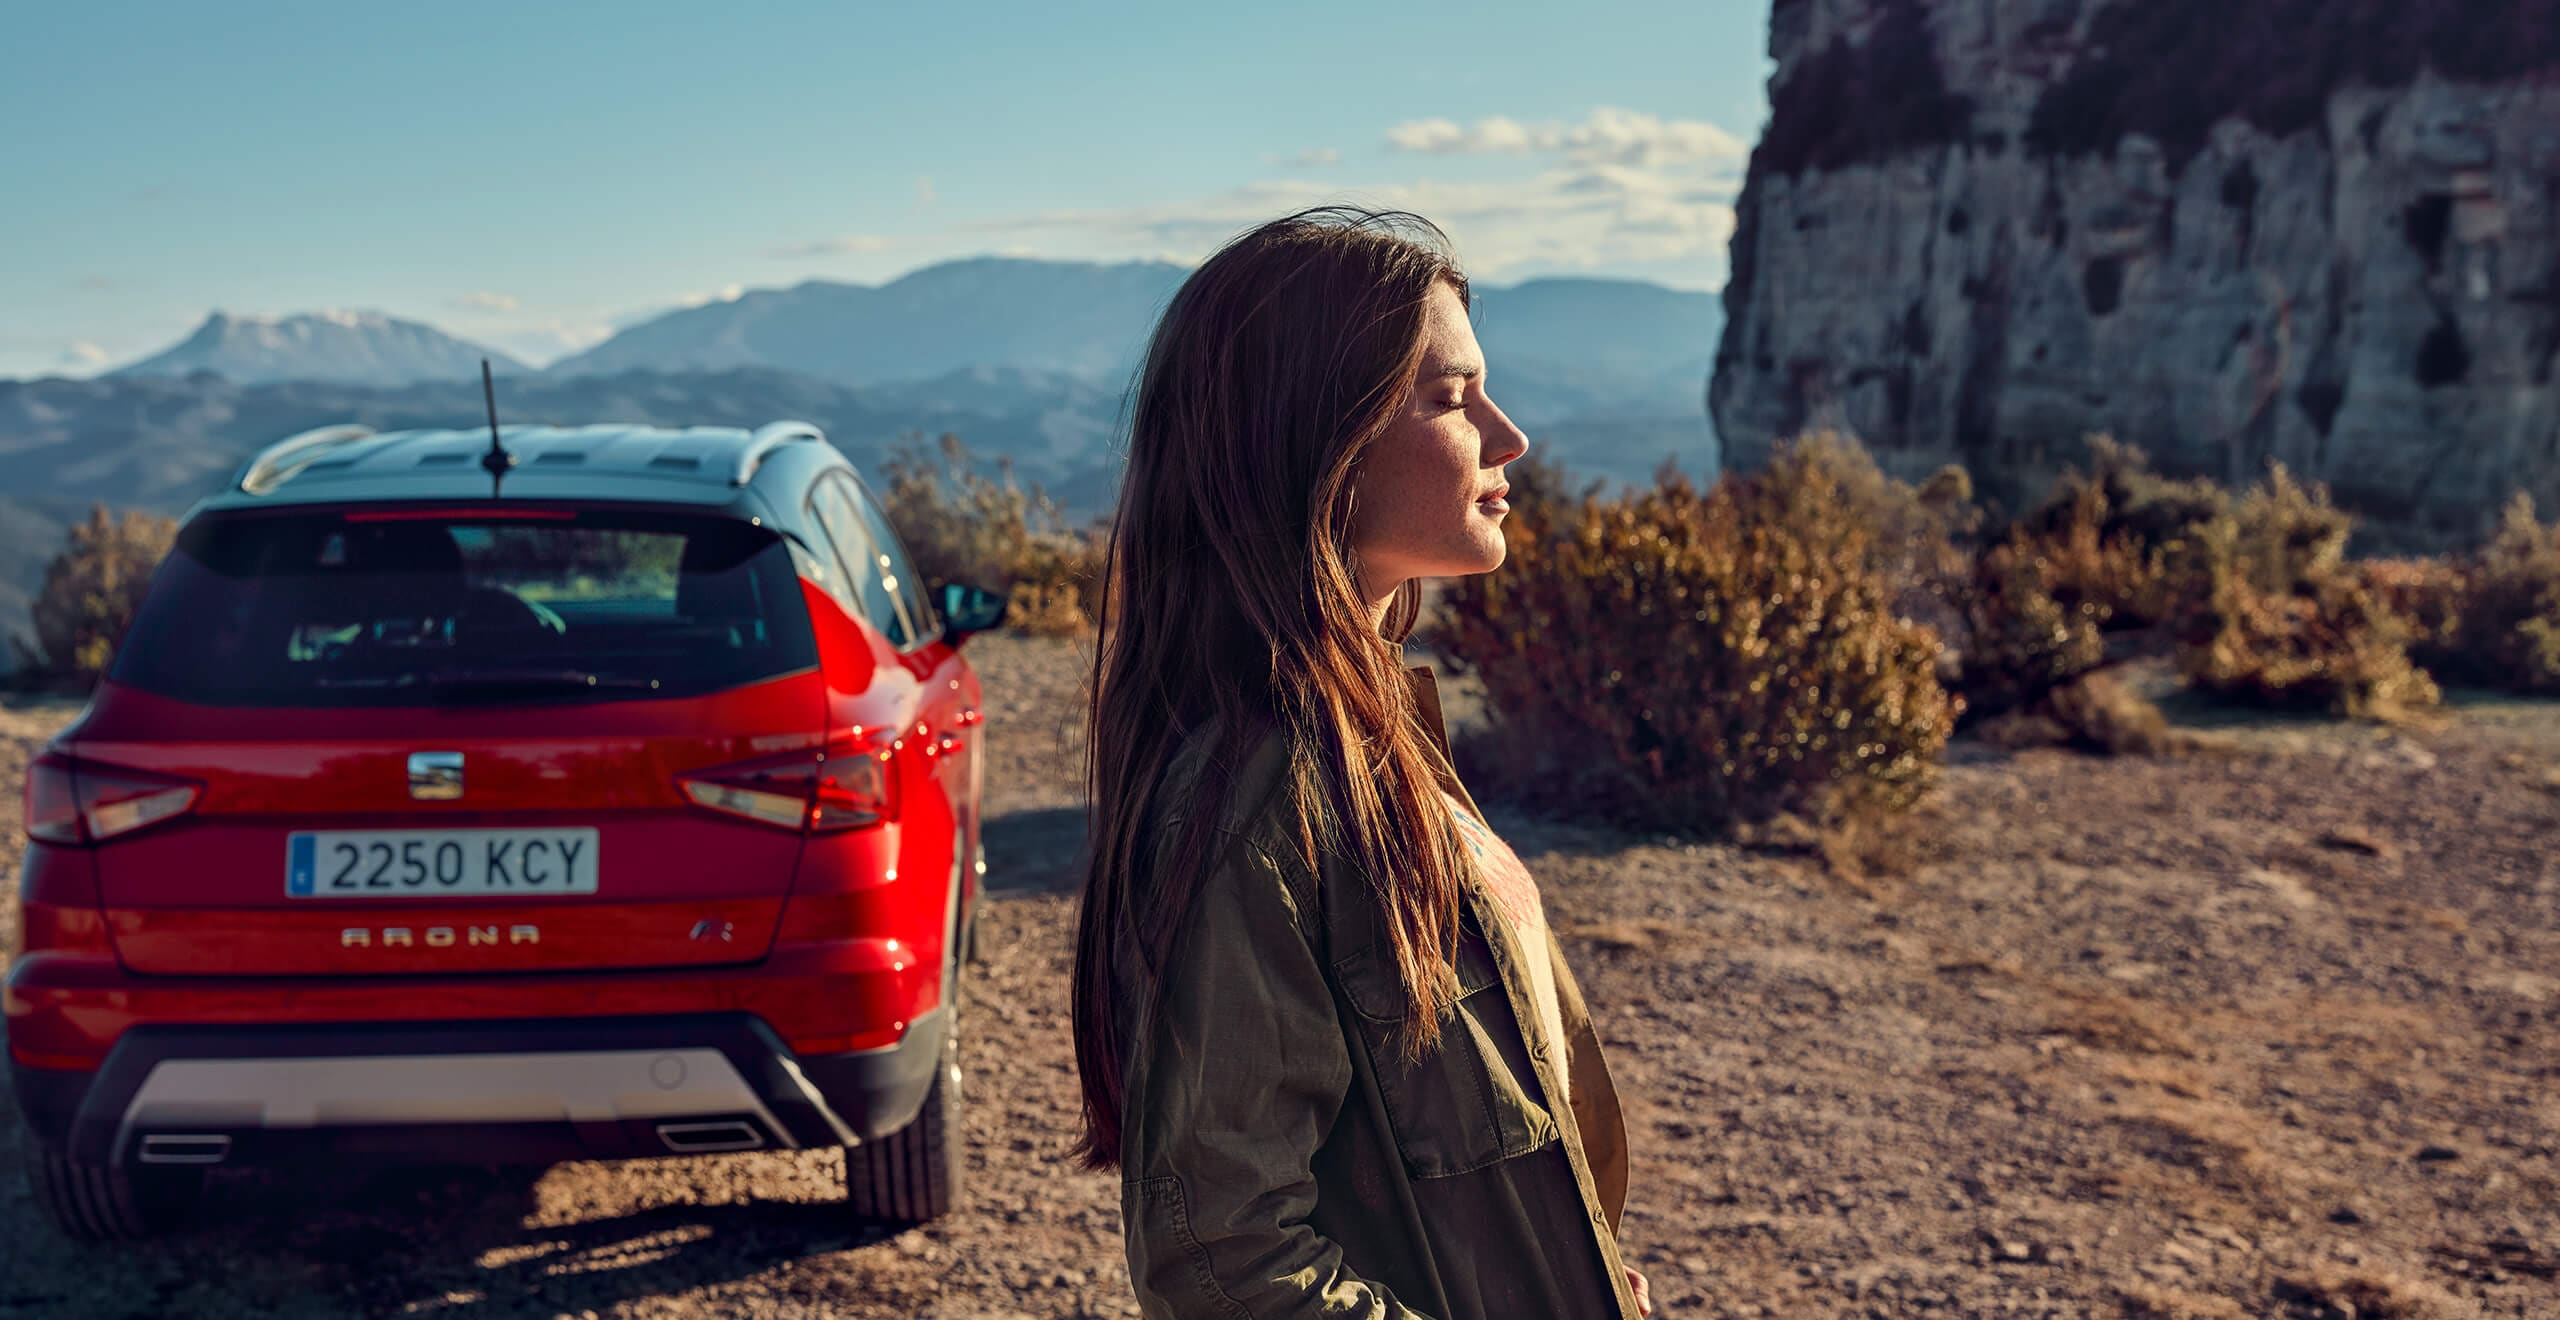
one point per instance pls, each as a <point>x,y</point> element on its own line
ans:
<point>2266,1031</point>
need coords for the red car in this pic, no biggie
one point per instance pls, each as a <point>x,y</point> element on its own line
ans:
<point>579,793</point>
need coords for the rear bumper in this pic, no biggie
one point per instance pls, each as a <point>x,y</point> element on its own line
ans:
<point>67,1009</point>
<point>474,1092</point>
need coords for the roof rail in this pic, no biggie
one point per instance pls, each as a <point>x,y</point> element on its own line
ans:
<point>277,463</point>
<point>766,439</point>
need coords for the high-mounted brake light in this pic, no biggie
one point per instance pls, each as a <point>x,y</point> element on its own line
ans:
<point>86,802</point>
<point>844,787</point>
<point>468,514</point>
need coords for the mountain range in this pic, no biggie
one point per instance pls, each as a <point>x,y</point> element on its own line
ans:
<point>348,348</point>
<point>1028,361</point>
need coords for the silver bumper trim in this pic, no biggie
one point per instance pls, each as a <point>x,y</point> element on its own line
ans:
<point>593,1086</point>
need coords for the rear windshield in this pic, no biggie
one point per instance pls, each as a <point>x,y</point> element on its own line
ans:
<point>394,609</point>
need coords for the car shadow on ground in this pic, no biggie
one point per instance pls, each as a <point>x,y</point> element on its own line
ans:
<point>441,1241</point>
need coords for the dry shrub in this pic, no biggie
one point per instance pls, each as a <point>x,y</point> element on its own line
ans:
<point>2509,630</point>
<point>2100,713</point>
<point>2116,537</point>
<point>91,590</point>
<point>2103,555</point>
<point>2281,621</point>
<point>2022,637</point>
<point>2431,596</point>
<point>962,525</point>
<point>1699,661</point>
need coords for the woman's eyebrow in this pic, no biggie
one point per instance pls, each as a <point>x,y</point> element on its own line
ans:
<point>1460,370</point>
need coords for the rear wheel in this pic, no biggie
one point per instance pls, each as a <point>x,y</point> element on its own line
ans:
<point>913,1175</point>
<point>104,1203</point>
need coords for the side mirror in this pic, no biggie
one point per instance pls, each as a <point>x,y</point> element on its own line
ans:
<point>967,609</point>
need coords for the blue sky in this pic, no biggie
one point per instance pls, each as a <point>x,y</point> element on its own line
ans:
<point>532,175</point>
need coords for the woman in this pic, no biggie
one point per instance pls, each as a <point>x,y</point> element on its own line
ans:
<point>1323,1028</point>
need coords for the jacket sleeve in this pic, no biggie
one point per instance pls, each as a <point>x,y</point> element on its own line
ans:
<point>1234,1080</point>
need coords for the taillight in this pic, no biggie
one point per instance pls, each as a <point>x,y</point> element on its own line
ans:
<point>845,787</point>
<point>70,802</point>
<point>53,805</point>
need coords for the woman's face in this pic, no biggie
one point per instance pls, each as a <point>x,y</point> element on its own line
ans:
<point>1429,491</point>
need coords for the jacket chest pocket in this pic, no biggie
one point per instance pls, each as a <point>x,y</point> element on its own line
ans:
<point>1473,1099</point>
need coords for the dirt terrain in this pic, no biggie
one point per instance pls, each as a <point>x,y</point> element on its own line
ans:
<point>2269,1030</point>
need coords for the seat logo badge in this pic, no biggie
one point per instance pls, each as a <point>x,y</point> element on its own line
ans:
<point>435,776</point>
<point>710,928</point>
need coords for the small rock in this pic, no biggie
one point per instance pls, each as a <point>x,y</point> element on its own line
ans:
<point>2345,1214</point>
<point>2352,839</point>
<point>2434,1154</point>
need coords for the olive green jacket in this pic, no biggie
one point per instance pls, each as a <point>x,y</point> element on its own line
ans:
<point>1282,1159</point>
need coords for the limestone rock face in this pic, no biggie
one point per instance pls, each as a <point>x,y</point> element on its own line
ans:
<point>2370,296</point>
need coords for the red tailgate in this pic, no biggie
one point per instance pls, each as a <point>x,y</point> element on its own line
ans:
<point>207,893</point>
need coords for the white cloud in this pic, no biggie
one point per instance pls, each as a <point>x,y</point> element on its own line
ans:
<point>840,245</point>
<point>1613,191</point>
<point>485,301</point>
<point>1606,134</point>
<point>925,194</point>
<point>81,355</point>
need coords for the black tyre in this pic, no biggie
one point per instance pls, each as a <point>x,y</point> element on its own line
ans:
<point>913,1175</point>
<point>97,1203</point>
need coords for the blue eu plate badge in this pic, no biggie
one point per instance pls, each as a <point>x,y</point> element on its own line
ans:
<point>302,866</point>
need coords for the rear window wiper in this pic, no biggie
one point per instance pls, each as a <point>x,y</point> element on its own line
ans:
<point>464,684</point>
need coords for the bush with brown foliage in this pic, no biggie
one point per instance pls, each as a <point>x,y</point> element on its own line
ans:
<point>2508,635</point>
<point>1701,660</point>
<point>91,590</point>
<point>2101,555</point>
<point>962,525</point>
<point>2022,637</point>
<point>2281,620</point>
<point>2117,535</point>
<point>2431,596</point>
<point>2102,713</point>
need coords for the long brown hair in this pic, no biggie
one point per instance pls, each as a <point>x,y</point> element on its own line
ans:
<point>1230,599</point>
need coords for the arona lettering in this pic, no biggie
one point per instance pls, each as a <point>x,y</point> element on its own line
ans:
<point>434,937</point>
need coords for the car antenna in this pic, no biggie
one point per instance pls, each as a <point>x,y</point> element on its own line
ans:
<point>497,461</point>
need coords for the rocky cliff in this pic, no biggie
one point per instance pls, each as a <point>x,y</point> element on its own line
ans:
<point>2325,232</point>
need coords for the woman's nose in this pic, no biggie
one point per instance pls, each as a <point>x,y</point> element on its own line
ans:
<point>1503,442</point>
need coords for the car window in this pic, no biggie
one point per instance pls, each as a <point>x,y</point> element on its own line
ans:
<point>860,560</point>
<point>904,582</point>
<point>839,580</point>
<point>362,608</point>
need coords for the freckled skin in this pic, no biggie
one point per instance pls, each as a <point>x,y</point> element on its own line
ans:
<point>1418,490</point>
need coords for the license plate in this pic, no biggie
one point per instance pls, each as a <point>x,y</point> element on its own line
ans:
<point>439,863</point>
